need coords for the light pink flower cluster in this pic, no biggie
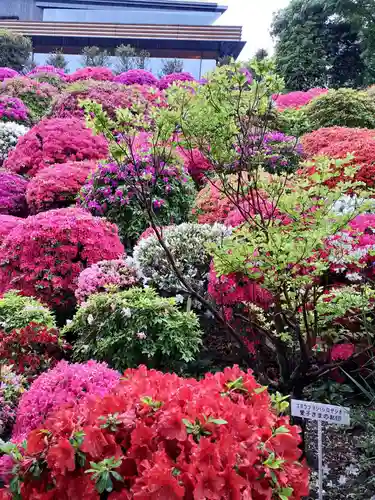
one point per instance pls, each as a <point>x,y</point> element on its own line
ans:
<point>117,274</point>
<point>65,385</point>
<point>47,69</point>
<point>94,73</point>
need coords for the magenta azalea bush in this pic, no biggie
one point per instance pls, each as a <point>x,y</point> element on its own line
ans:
<point>297,99</point>
<point>94,73</point>
<point>7,73</point>
<point>47,69</point>
<point>12,194</point>
<point>53,141</point>
<point>169,80</point>
<point>12,109</point>
<point>107,275</point>
<point>7,224</point>
<point>137,76</point>
<point>65,385</point>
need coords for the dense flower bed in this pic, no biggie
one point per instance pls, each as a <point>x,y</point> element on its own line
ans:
<point>37,96</point>
<point>66,384</point>
<point>13,194</point>
<point>137,76</point>
<point>57,186</point>
<point>9,134</point>
<point>12,109</point>
<point>138,98</point>
<point>53,141</point>
<point>107,275</point>
<point>7,73</point>
<point>45,254</point>
<point>32,350</point>
<point>171,438</point>
<point>94,73</point>
<point>297,99</point>
<point>169,80</point>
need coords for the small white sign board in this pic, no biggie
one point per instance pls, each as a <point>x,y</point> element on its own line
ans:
<point>337,415</point>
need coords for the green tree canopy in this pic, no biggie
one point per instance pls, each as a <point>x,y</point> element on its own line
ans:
<point>15,50</point>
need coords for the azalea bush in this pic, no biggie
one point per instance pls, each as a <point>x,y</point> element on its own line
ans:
<point>9,135</point>
<point>209,421</point>
<point>340,142</point>
<point>137,76</point>
<point>106,276</point>
<point>297,99</point>
<point>196,165</point>
<point>92,73</point>
<point>31,350</point>
<point>55,141</point>
<point>47,69</point>
<point>115,189</point>
<point>12,194</point>
<point>112,96</point>
<point>45,254</point>
<point>36,96</point>
<point>12,109</point>
<point>188,245</point>
<point>132,327</point>
<point>64,385</point>
<point>17,311</point>
<point>342,107</point>
<point>57,186</point>
<point>211,204</point>
<point>8,73</point>
<point>7,224</point>
<point>175,78</point>
<point>12,387</point>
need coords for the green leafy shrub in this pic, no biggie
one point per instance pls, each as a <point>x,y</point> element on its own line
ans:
<point>342,107</point>
<point>133,327</point>
<point>17,311</point>
<point>293,121</point>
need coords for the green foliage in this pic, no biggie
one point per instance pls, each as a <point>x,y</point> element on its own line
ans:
<point>104,472</point>
<point>318,45</point>
<point>342,107</point>
<point>15,50</point>
<point>58,60</point>
<point>293,121</point>
<point>17,311</point>
<point>94,56</point>
<point>133,327</point>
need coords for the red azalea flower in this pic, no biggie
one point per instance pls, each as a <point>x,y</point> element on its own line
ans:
<point>61,457</point>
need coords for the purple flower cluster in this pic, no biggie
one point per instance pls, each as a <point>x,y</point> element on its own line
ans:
<point>138,76</point>
<point>11,388</point>
<point>66,384</point>
<point>47,69</point>
<point>7,73</point>
<point>12,194</point>
<point>12,109</point>
<point>169,80</point>
<point>103,276</point>
<point>275,152</point>
<point>248,75</point>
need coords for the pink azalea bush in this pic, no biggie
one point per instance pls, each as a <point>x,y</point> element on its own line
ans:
<point>57,186</point>
<point>197,165</point>
<point>53,141</point>
<point>65,385</point>
<point>12,194</point>
<point>7,73</point>
<point>7,224</point>
<point>47,69</point>
<point>169,80</point>
<point>137,76</point>
<point>297,99</point>
<point>12,109</point>
<point>94,73</point>
<point>44,255</point>
<point>113,275</point>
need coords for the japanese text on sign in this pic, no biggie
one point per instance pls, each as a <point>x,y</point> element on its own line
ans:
<point>339,415</point>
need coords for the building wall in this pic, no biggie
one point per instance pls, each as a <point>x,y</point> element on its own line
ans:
<point>23,9</point>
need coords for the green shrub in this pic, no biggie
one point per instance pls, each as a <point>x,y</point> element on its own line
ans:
<point>293,121</point>
<point>15,50</point>
<point>342,107</point>
<point>132,327</point>
<point>17,311</point>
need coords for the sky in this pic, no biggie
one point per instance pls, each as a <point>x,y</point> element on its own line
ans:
<point>255,16</point>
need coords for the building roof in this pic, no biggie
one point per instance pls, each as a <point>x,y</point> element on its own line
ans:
<point>177,40</point>
<point>183,5</point>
